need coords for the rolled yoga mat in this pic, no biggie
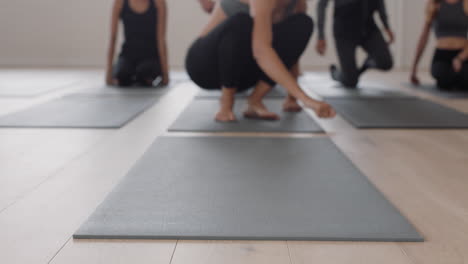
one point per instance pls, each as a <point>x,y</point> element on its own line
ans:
<point>402,113</point>
<point>81,111</point>
<point>248,189</point>
<point>199,117</point>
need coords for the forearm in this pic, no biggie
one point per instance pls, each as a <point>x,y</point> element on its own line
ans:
<point>421,48</point>
<point>321,17</point>
<point>463,56</point>
<point>161,25</point>
<point>383,14</point>
<point>163,57</point>
<point>271,64</point>
<point>110,55</point>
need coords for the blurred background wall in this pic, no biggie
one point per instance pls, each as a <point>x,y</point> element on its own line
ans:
<point>75,33</point>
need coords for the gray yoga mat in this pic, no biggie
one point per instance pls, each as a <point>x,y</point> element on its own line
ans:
<point>199,117</point>
<point>248,189</point>
<point>432,89</point>
<point>80,111</point>
<point>366,89</point>
<point>24,88</point>
<point>133,90</point>
<point>276,92</point>
<point>381,112</point>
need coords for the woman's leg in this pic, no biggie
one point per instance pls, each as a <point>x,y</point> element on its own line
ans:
<point>124,71</point>
<point>464,77</point>
<point>290,103</point>
<point>444,75</point>
<point>442,69</point>
<point>290,39</point>
<point>379,55</point>
<point>223,60</point>
<point>147,71</point>
<point>348,75</point>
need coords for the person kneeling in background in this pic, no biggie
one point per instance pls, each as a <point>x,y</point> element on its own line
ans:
<point>143,57</point>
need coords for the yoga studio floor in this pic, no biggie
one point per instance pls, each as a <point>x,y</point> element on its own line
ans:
<point>53,179</point>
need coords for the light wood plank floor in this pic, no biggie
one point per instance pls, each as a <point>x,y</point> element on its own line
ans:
<point>51,180</point>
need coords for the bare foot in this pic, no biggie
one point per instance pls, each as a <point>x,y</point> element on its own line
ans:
<point>225,116</point>
<point>258,110</point>
<point>290,105</point>
<point>322,109</point>
<point>225,113</point>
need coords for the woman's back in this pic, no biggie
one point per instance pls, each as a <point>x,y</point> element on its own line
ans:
<point>228,8</point>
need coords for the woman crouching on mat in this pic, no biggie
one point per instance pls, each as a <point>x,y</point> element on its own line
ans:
<point>253,43</point>
<point>355,26</point>
<point>449,19</point>
<point>143,57</point>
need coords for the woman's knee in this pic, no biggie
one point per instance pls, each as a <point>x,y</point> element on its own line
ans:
<point>348,79</point>
<point>385,64</point>
<point>147,71</point>
<point>301,24</point>
<point>442,71</point>
<point>443,75</point>
<point>241,22</point>
<point>350,82</point>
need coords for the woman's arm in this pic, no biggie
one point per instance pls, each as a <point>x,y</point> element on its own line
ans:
<point>161,25</point>
<point>460,59</point>
<point>207,5</point>
<point>384,18</point>
<point>382,10</point>
<point>321,46</point>
<point>431,11</point>
<point>270,62</point>
<point>117,8</point>
<point>301,7</point>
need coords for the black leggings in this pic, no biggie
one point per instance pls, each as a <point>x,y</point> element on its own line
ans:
<point>379,56</point>
<point>224,57</point>
<point>442,70</point>
<point>128,71</point>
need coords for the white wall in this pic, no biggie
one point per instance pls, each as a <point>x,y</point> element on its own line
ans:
<point>75,32</point>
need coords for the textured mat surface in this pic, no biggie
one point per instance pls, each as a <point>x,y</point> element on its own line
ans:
<point>134,90</point>
<point>276,92</point>
<point>381,112</point>
<point>325,87</point>
<point>246,188</point>
<point>80,111</point>
<point>199,117</point>
<point>28,88</point>
<point>432,89</point>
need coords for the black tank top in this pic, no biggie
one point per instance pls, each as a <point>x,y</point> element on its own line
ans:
<point>451,20</point>
<point>140,32</point>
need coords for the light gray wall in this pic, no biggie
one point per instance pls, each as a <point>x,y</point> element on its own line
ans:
<point>75,33</point>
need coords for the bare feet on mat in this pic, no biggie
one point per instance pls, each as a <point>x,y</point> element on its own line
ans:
<point>225,116</point>
<point>290,105</point>
<point>257,110</point>
<point>322,109</point>
<point>414,80</point>
<point>225,113</point>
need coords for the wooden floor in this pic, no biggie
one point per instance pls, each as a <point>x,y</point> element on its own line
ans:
<point>51,180</point>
